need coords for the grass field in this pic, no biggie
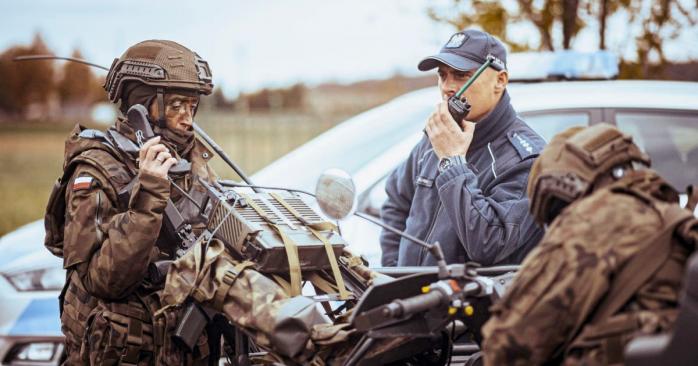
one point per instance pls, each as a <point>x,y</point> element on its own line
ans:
<point>31,154</point>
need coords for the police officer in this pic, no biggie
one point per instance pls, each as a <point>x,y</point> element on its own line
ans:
<point>464,184</point>
<point>610,264</point>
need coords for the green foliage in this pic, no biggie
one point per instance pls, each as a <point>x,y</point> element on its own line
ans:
<point>660,20</point>
<point>491,16</point>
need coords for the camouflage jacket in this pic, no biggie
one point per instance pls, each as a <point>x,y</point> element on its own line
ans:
<point>108,242</point>
<point>563,280</point>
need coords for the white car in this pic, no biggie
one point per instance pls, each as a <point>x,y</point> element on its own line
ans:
<point>30,281</point>
<point>662,117</point>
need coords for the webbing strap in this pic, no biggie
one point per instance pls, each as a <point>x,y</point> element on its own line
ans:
<point>282,282</point>
<point>134,342</point>
<point>228,281</point>
<point>635,273</point>
<point>321,283</point>
<point>343,293</point>
<point>294,264</point>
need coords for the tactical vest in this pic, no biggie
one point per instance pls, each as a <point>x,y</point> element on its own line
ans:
<point>120,332</point>
<point>619,318</point>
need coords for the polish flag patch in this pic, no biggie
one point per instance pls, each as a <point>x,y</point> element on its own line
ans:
<point>82,183</point>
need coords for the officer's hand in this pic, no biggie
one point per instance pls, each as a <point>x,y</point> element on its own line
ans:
<point>446,137</point>
<point>155,159</point>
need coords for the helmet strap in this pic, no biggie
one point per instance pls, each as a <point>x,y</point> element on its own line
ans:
<point>161,121</point>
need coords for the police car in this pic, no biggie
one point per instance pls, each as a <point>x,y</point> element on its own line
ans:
<point>662,116</point>
<point>30,281</point>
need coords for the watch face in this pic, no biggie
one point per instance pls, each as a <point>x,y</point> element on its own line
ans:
<point>444,164</point>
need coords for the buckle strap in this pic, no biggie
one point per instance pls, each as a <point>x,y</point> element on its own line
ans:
<point>134,342</point>
<point>294,266</point>
<point>228,280</point>
<point>339,280</point>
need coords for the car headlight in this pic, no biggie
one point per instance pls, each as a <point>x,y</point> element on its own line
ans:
<point>31,352</point>
<point>36,352</point>
<point>45,279</point>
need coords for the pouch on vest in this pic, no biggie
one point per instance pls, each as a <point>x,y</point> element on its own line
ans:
<point>118,338</point>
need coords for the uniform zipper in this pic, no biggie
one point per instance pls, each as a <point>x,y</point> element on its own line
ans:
<point>432,226</point>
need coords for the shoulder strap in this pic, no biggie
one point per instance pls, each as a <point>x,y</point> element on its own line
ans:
<point>636,272</point>
<point>641,267</point>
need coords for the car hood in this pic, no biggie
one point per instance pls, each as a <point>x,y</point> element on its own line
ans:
<point>23,250</point>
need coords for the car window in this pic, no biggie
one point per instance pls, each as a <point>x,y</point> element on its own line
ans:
<point>670,139</point>
<point>549,124</point>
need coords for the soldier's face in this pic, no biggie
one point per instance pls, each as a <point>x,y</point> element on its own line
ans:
<point>179,111</point>
<point>482,95</point>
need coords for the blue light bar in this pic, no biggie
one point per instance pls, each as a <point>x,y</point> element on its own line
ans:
<point>566,65</point>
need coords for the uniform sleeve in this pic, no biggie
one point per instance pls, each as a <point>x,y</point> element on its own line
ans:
<point>109,249</point>
<point>562,281</point>
<point>400,190</point>
<point>491,227</point>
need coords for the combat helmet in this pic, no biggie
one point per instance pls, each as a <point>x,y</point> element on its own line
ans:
<point>573,162</point>
<point>162,65</point>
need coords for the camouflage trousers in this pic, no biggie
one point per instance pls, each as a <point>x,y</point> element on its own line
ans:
<point>290,328</point>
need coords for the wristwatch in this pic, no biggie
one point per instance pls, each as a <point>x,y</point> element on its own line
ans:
<point>447,162</point>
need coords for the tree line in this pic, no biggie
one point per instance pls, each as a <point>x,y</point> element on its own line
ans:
<point>558,22</point>
<point>51,90</point>
<point>41,90</point>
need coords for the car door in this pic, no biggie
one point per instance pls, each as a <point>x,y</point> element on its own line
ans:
<point>668,136</point>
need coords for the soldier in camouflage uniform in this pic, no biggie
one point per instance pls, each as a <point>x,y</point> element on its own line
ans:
<point>105,216</point>
<point>610,264</point>
<point>106,219</point>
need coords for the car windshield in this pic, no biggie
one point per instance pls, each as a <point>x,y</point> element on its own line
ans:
<point>670,139</point>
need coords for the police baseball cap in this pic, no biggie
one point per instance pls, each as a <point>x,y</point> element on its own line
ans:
<point>468,50</point>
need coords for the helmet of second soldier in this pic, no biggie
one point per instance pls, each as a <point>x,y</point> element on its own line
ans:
<point>164,66</point>
<point>573,162</point>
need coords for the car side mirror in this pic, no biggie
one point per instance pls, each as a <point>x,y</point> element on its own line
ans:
<point>335,193</point>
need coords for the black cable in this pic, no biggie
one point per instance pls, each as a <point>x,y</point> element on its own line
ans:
<point>228,183</point>
<point>190,198</point>
<point>52,57</point>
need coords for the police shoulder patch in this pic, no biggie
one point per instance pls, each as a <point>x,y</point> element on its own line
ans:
<point>527,145</point>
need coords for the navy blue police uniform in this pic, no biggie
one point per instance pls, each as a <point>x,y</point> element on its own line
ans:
<point>476,209</point>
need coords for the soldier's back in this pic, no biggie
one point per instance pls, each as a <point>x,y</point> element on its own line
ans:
<point>562,282</point>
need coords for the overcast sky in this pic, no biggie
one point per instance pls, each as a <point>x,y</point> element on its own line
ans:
<point>253,44</point>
